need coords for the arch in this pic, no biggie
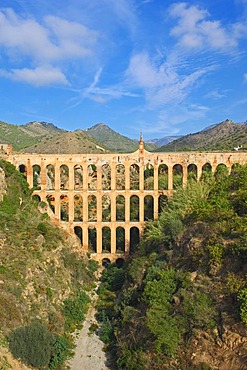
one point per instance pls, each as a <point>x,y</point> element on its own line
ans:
<point>78,177</point>
<point>64,177</point>
<point>106,208</point>
<point>134,177</point>
<point>92,239</point>
<point>119,262</point>
<point>192,172</point>
<point>36,177</point>
<point>36,198</point>
<point>23,170</point>
<point>177,172</point>
<point>78,232</point>
<point>120,177</point>
<point>50,177</point>
<point>92,208</point>
<point>120,239</point>
<point>206,171</point>
<point>51,201</point>
<point>120,208</point>
<point>134,238</point>
<point>222,171</point>
<point>106,262</point>
<point>134,208</point>
<point>148,177</point>
<point>148,208</point>
<point>162,201</point>
<point>163,177</point>
<point>106,177</point>
<point>64,208</point>
<point>106,239</point>
<point>92,177</point>
<point>78,208</point>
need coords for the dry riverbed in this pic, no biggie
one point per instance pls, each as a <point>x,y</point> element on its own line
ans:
<point>89,354</point>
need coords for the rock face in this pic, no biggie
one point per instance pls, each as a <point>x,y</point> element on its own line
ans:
<point>2,184</point>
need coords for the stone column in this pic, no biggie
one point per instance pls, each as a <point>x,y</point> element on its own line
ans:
<point>170,177</point>
<point>185,174</point>
<point>29,173</point>
<point>113,238</point>
<point>99,239</point>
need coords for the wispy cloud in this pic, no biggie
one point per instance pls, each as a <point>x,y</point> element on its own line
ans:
<point>54,39</point>
<point>40,76</point>
<point>195,31</point>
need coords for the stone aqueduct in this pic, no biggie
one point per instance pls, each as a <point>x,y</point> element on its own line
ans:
<point>106,198</point>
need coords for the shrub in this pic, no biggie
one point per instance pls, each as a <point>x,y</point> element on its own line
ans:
<point>32,344</point>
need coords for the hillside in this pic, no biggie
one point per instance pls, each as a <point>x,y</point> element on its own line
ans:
<point>77,142</point>
<point>180,302</point>
<point>44,277</point>
<point>115,141</point>
<point>224,136</point>
<point>163,141</point>
<point>26,135</point>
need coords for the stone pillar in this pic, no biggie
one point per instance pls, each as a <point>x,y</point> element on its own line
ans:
<point>170,177</point>
<point>141,207</point>
<point>185,174</point>
<point>29,173</point>
<point>141,176</point>
<point>57,176</point>
<point>43,175</point>
<point>199,172</point>
<point>156,177</point>
<point>99,193</point>
<point>156,205</point>
<point>127,175</point>
<point>127,240</point>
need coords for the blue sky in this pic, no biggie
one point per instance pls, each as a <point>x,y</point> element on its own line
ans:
<point>153,66</point>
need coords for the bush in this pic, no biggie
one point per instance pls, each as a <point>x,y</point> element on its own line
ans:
<point>32,344</point>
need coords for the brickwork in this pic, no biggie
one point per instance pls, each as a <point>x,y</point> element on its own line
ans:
<point>98,194</point>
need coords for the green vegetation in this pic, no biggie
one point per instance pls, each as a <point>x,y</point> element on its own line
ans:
<point>186,282</point>
<point>43,298</point>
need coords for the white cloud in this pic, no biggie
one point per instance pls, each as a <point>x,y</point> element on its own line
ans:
<point>161,83</point>
<point>194,31</point>
<point>56,39</point>
<point>245,77</point>
<point>40,76</point>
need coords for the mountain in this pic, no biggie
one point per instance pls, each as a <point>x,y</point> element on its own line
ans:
<point>163,141</point>
<point>26,135</point>
<point>226,136</point>
<point>114,141</point>
<point>67,142</point>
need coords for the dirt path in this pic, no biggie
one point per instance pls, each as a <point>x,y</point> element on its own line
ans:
<point>89,354</point>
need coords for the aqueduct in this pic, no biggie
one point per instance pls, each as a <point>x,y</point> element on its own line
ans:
<point>105,199</point>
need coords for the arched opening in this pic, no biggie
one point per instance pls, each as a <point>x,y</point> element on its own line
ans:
<point>148,177</point>
<point>106,208</point>
<point>206,172</point>
<point>78,208</point>
<point>106,262</point>
<point>78,232</point>
<point>92,177</point>
<point>106,239</point>
<point>106,177</point>
<point>163,199</point>
<point>120,177</point>
<point>134,239</point>
<point>64,177</point>
<point>221,172</point>
<point>192,172</point>
<point>92,208</point>
<point>163,177</point>
<point>51,201</point>
<point>119,262</point>
<point>134,177</point>
<point>36,177</point>
<point>148,208</point>
<point>120,208</point>
<point>120,240</point>
<point>134,208</point>
<point>235,168</point>
<point>50,177</point>
<point>64,208</point>
<point>23,170</point>
<point>92,240</point>
<point>78,177</point>
<point>36,198</point>
<point>177,176</point>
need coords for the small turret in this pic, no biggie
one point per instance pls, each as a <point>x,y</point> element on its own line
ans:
<point>141,145</point>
